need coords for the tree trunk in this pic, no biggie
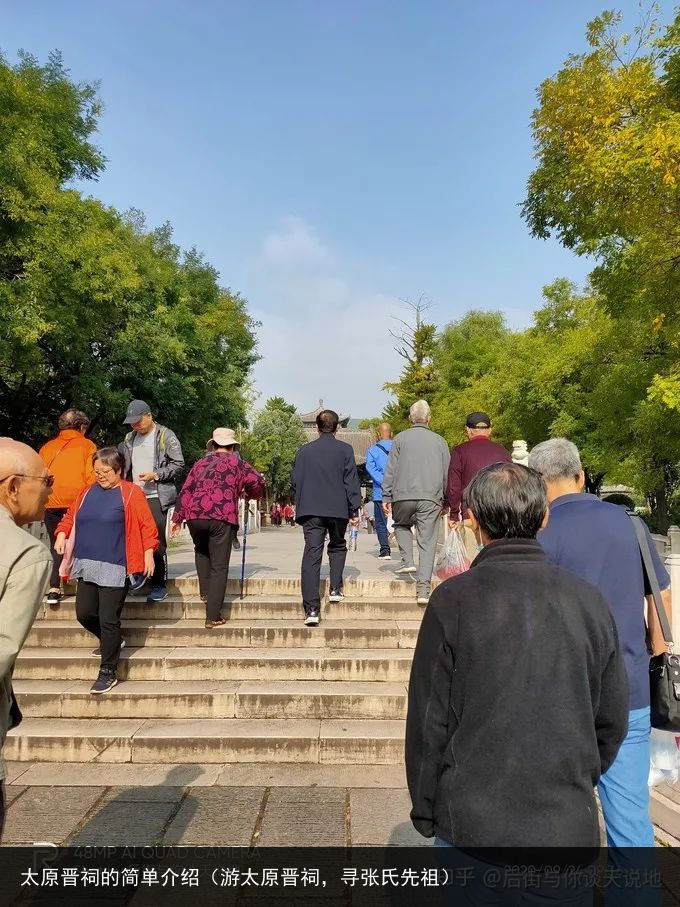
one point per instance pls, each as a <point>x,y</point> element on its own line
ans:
<point>593,481</point>
<point>659,508</point>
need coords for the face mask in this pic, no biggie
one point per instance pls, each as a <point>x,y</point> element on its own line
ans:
<point>480,547</point>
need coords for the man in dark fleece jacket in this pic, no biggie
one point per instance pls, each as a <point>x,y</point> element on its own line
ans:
<point>518,698</point>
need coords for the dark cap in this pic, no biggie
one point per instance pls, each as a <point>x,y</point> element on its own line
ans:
<point>478,420</point>
<point>135,411</point>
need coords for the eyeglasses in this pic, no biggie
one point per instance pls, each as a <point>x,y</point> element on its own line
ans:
<point>46,480</point>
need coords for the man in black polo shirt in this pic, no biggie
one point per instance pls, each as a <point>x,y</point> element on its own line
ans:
<point>597,541</point>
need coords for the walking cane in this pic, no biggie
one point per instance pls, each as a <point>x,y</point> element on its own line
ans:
<point>246,514</point>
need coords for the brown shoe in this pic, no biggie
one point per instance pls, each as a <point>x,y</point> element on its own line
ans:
<point>210,624</point>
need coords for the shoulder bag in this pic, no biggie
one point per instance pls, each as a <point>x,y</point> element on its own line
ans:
<point>664,669</point>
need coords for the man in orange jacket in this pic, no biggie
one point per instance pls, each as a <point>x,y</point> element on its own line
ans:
<point>69,458</point>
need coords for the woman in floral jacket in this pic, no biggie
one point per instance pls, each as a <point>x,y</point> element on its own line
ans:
<point>208,503</point>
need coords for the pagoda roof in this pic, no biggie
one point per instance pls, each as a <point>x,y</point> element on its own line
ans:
<point>359,440</point>
<point>310,418</point>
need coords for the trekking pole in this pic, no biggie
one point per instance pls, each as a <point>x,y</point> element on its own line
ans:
<point>246,520</point>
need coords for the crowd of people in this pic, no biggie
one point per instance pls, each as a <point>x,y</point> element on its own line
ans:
<point>107,519</point>
<point>540,650</point>
<point>529,685</point>
<point>282,513</point>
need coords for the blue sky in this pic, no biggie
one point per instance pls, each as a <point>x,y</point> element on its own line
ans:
<point>329,157</point>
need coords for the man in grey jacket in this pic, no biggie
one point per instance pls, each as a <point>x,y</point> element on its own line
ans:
<point>414,490</point>
<point>25,565</point>
<point>154,461</point>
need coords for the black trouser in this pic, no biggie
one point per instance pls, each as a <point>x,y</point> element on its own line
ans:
<point>315,529</point>
<point>53,516</point>
<point>98,610</point>
<point>212,547</point>
<point>160,518</point>
<point>381,528</point>
<point>2,807</point>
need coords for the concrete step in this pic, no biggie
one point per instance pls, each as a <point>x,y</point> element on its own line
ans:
<point>216,664</point>
<point>388,586</point>
<point>208,699</point>
<point>333,634</point>
<point>254,608</point>
<point>206,741</point>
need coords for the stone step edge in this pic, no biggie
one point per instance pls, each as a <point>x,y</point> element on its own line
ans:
<point>239,623</point>
<point>239,699</point>
<point>664,813</point>
<point>194,598</point>
<point>330,741</point>
<point>169,688</point>
<point>84,725</point>
<point>205,653</point>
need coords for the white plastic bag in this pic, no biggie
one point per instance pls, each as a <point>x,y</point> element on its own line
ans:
<point>664,760</point>
<point>453,558</point>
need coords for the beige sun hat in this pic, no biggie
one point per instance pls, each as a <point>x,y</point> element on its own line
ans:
<point>224,437</point>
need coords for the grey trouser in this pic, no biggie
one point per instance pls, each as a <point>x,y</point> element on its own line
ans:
<point>424,515</point>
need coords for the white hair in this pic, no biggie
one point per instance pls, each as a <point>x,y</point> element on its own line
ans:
<point>556,459</point>
<point>419,414</point>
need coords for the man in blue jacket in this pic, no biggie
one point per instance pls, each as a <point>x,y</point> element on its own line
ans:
<point>376,459</point>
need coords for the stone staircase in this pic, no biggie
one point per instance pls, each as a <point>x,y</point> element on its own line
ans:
<point>263,688</point>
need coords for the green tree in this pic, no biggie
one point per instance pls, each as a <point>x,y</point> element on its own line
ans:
<point>607,184</point>
<point>271,446</point>
<point>95,309</point>
<point>466,350</point>
<point>416,344</point>
<point>370,424</point>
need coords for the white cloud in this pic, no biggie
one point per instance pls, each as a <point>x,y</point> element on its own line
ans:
<point>295,243</point>
<point>322,335</point>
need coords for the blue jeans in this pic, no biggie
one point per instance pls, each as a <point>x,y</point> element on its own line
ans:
<point>381,527</point>
<point>623,789</point>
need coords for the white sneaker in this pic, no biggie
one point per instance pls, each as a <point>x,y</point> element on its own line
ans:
<point>403,570</point>
<point>422,600</point>
<point>336,595</point>
<point>312,619</point>
<point>384,557</point>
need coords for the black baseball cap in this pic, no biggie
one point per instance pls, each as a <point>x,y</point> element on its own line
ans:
<point>478,420</point>
<point>135,411</point>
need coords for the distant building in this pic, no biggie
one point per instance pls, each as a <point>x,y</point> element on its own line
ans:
<point>359,439</point>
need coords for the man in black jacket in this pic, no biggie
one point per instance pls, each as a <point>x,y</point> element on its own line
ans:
<point>518,698</point>
<point>327,497</point>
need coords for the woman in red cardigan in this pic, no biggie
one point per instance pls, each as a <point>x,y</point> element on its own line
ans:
<point>108,534</point>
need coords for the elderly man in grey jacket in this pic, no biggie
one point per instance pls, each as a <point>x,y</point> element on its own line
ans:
<point>25,565</point>
<point>154,461</point>
<point>414,489</point>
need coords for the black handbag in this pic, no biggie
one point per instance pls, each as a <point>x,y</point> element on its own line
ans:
<point>664,669</point>
<point>15,716</point>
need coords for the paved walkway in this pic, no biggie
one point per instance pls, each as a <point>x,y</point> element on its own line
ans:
<point>218,805</point>
<point>276,552</point>
<point>229,805</point>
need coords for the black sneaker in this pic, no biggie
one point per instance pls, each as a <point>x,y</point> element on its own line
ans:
<point>105,682</point>
<point>312,619</point>
<point>53,598</point>
<point>236,543</point>
<point>336,595</point>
